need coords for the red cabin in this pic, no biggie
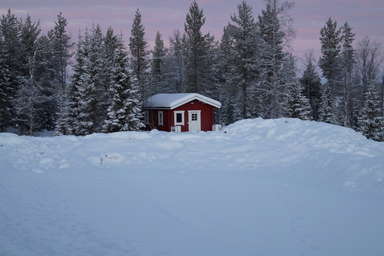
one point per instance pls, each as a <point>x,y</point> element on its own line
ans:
<point>180,112</point>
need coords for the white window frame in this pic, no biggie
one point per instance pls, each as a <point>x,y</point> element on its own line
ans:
<point>160,118</point>
<point>182,117</point>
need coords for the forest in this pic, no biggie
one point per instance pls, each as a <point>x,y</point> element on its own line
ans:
<point>98,82</point>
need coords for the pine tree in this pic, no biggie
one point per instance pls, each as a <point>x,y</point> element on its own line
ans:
<point>111,44</point>
<point>139,55</point>
<point>158,66</point>
<point>11,61</point>
<point>371,123</point>
<point>29,35</point>
<point>60,47</point>
<point>199,53</point>
<point>119,110</point>
<point>297,104</point>
<point>44,75</point>
<point>68,121</point>
<point>348,60</point>
<point>273,91</point>
<point>176,64</point>
<point>310,81</point>
<point>5,88</point>
<point>228,91</point>
<point>326,110</point>
<point>331,49</point>
<point>244,64</point>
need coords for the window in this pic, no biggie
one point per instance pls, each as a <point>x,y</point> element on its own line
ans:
<point>179,117</point>
<point>160,118</point>
<point>194,117</point>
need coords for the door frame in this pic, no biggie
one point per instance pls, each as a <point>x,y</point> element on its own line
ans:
<point>190,112</point>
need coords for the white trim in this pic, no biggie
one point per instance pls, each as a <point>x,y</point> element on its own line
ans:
<point>175,119</point>
<point>160,118</point>
<point>198,97</point>
<point>174,100</point>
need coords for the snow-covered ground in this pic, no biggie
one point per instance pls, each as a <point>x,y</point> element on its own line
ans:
<point>260,187</point>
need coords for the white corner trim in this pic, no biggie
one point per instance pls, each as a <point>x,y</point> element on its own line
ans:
<point>182,119</point>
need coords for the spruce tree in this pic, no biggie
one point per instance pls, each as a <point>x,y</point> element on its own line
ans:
<point>228,90</point>
<point>199,54</point>
<point>330,38</point>
<point>111,44</point>
<point>45,80</point>
<point>273,92</point>
<point>60,47</point>
<point>244,63</point>
<point>119,110</point>
<point>176,64</point>
<point>158,66</point>
<point>310,82</point>
<point>11,51</point>
<point>297,104</point>
<point>5,88</point>
<point>81,96</point>
<point>139,56</point>
<point>326,109</point>
<point>370,121</point>
<point>68,122</point>
<point>348,60</point>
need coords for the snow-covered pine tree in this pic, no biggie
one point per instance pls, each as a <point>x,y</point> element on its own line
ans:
<point>124,112</point>
<point>111,43</point>
<point>310,82</point>
<point>330,61</point>
<point>228,91</point>
<point>273,92</point>
<point>297,104</point>
<point>198,59</point>
<point>11,48</point>
<point>97,64</point>
<point>176,63</point>
<point>244,60</point>
<point>60,47</point>
<point>5,88</point>
<point>68,121</point>
<point>30,98</point>
<point>347,60</point>
<point>29,34</point>
<point>370,121</point>
<point>326,109</point>
<point>44,75</point>
<point>139,56</point>
<point>119,110</point>
<point>158,83</point>
<point>86,98</point>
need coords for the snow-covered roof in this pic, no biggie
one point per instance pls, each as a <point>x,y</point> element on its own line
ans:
<point>174,100</point>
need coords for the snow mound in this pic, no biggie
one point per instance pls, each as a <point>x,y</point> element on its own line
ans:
<point>258,187</point>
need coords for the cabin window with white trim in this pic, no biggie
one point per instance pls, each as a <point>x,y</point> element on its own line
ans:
<point>179,117</point>
<point>160,118</point>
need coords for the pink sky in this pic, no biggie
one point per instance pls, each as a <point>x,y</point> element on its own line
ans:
<point>365,16</point>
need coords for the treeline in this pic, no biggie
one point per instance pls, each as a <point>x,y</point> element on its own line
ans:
<point>250,70</point>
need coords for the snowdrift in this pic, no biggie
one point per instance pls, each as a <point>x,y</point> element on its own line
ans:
<point>258,187</point>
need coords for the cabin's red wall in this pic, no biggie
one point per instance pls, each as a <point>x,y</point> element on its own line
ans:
<point>207,116</point>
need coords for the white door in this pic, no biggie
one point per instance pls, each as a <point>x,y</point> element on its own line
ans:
<point>194,118</point>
